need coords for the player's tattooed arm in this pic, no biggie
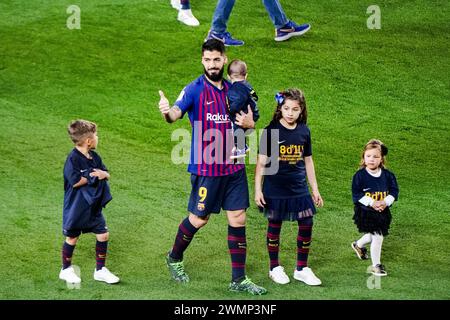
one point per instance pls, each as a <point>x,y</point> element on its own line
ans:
<point>174,114</point>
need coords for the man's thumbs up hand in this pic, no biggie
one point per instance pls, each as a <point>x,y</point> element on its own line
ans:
<point>164,106</point>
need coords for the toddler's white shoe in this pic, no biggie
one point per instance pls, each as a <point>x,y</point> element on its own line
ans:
<point>69,275</point>
<point>105,275</point>
<point>278,275</point>
<point>307,276</point>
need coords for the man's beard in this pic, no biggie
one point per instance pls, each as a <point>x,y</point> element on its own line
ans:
<point>216,77</point>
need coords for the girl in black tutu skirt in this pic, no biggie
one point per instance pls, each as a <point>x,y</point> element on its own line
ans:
<point>374,190</point>
<point>285,161</point>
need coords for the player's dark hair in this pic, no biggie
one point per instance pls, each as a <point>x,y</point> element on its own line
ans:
<point>375,144</point>
<point>294,95</point>
<point>213,45</point>
<point>80,130</point>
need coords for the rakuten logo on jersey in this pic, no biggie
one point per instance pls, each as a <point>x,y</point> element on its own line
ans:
<point>217,118</point>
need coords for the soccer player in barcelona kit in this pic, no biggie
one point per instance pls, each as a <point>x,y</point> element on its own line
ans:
<point>217,182</point>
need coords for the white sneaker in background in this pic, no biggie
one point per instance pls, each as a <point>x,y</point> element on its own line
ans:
<point>176,4</point>
<point>278,275</point>
<point>186,16</point>
<point>307,276</point>
<point>105,275</point>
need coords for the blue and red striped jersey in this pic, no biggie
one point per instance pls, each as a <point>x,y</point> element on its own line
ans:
<point>212,134</point>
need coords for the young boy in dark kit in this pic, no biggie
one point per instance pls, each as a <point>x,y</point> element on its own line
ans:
<point>86,192</point>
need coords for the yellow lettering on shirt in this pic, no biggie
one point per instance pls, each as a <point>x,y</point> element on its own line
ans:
<point>291,154</point>
<point>378,195</point>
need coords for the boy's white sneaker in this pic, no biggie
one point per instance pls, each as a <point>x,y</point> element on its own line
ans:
<point>278,275</point>
<point>69,275</point>
<point>186,16</point>
<point>307,276</point>
<point>105,275</point>
<point>176,4</point>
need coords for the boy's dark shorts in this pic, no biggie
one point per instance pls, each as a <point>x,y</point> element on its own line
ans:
<point>96,225</point>
<point>210,194</point>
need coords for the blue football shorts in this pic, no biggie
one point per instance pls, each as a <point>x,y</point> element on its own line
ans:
<point>210,194</point>
<point>96,225</point>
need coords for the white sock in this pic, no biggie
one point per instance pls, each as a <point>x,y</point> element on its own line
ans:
<point>365,239</point>
<point>375,248</point>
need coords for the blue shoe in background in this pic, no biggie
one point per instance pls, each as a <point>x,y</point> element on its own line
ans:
<point>291,29</point>
<point>225,37</point>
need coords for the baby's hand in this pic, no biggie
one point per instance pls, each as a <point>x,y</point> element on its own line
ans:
<point>100,174</point>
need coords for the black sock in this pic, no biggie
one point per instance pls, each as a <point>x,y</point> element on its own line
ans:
<point>100,253</point>
<point>186,232</point>
<point>273,242</point>
<point>67,252</point>
<point>237,246</point>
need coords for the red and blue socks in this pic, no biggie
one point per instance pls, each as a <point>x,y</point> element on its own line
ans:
<point>100,253</point>
<point>273,242</point>
<point>67,252</point>
<point>303,242</point>
<point>237,245</point>
<point>186,232</point>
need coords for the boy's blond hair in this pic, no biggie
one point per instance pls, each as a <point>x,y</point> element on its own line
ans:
<point>80,130</point>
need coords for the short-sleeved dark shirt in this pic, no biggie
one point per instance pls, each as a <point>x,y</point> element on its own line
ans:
<point>293,145</point>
